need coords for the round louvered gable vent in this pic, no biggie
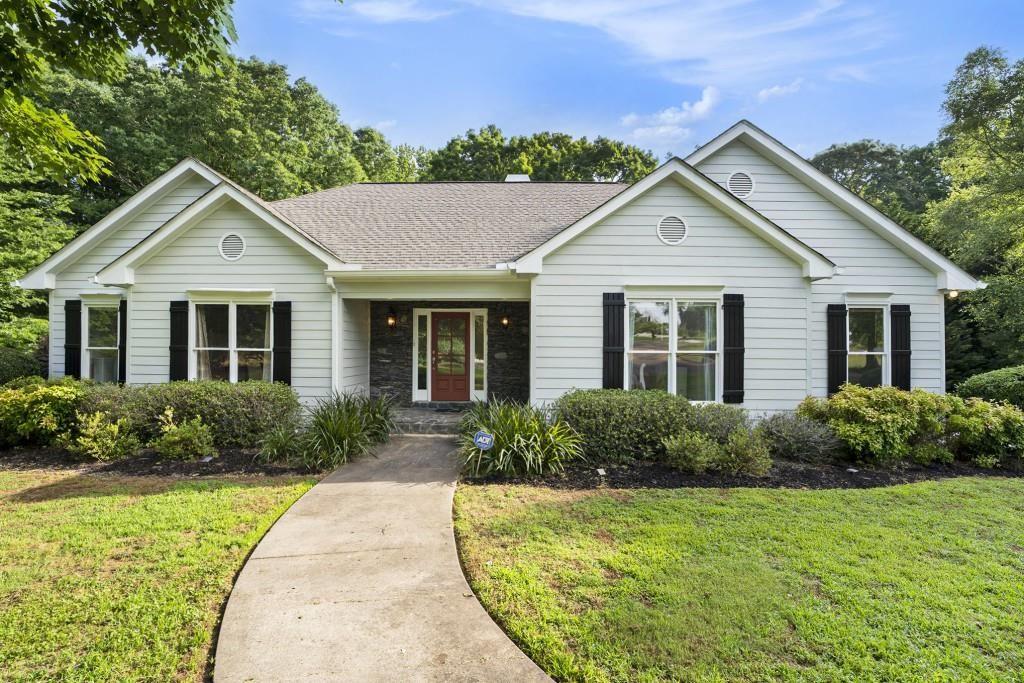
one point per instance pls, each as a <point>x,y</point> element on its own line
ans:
<point>672,230</point>
<point>232,247</point>
<point>741,184</point>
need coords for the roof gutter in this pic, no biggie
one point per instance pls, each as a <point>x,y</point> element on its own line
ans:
<point>497,273</point>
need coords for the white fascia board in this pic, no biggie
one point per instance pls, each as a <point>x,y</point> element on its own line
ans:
<point>43,276</point>
<point>948,274</point>
<point>121,271</point>
<point>815,266</point>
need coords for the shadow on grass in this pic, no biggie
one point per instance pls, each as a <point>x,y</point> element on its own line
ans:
<point>99,485</point>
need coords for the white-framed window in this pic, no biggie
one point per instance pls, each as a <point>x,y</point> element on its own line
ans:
<point>232,341</point>
<point>867,345</point>
<point>673,344</point>
<point>102,326</point>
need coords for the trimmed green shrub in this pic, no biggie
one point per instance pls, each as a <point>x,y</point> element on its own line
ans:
<point>524,441</point>
<point>794,437</point>
<point>692,452</point>
<point>987,434</point>
<point>37,413</point>
<point>619,426</point>
<point>189,439</point>
<point>717,420</point>
<point>1006,384</point>
<point>879,424</point>
<point>97,437</point>
<point>16,363</point>
<point>238,415</point>
<point>744,451</point>
<point>889,426</point>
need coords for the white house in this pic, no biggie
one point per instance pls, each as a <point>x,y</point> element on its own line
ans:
<point>739,274</point>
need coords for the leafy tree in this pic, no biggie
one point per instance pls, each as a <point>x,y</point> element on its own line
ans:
<point>382,162</point>
<point>899,181</point>
<point>31,228</point>
<point>488,155</point>
<point>250,122</point>
<point>91,38</point>
<point>981,223</point>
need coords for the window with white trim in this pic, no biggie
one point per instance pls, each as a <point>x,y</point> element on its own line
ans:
<point>672,345</point>
<point>102,325</point>
<point>233,341</point>
<point>867,348</point>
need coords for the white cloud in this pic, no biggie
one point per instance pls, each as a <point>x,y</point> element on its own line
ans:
<point>335,15</point>
<point>660,135</point>
<point>669,124</point>
<point>850,72</point>
<point>385,125</point>
<point>729,42</point>
<point>766,94</point>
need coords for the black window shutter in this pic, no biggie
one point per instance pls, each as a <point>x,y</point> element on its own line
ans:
<point>178,368</point>
<point>283,342</point>
<point>122,342</point>
<point>732,351</point>
<point>614,339</point>
<point>900,340</point>
<point>836,347</point>
<point>73,338</point>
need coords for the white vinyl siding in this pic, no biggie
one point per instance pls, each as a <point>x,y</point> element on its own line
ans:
<point>355,345</point>
<point>76,277</point>
<point>271,261</point>
<point>870,263</point>
<point>624,251</point>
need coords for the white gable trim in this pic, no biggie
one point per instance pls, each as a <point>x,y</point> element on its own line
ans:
<point>948,274</point>
<point>43,276</point>
<point>121,271</point>
<point>815,266</point>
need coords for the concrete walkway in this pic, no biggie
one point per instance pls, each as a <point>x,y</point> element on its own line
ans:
<point>360,581</point>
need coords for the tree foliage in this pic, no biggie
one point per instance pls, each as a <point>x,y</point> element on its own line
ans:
<point>899,181</point>
<point>275,137</point>
<point>92,39</point>
<point>488,155</point>
<point>981,222</point>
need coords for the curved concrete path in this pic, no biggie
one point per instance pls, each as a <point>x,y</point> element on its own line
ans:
<point>360,581</point>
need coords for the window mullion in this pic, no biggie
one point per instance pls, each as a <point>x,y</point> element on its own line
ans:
<point>232,342</point>
<point>672,344</point>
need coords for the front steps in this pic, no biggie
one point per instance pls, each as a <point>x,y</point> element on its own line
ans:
<point>424,419</point>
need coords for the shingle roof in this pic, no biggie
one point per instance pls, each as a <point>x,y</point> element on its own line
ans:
<point>444,224</point>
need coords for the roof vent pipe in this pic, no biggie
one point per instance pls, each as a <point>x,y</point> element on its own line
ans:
<point>517,178</point>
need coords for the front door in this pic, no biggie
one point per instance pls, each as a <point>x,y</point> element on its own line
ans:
<point>449,364</point>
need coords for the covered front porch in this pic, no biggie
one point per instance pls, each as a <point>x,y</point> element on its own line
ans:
<point>441,353</point>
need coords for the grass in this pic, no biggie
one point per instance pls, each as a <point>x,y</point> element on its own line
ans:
<point>123,578</point>
<point>917,582</point>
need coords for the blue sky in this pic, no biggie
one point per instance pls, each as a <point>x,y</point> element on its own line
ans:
<point>662,74</point>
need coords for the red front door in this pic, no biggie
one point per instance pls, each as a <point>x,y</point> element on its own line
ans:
<point>449,363</point>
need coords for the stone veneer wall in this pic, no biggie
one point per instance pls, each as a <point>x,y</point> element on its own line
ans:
<point>508,351</point>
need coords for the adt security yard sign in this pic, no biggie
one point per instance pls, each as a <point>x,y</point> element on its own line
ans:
<point>483,440</point>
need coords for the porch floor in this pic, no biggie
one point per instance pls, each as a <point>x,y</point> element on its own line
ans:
<point>426,420</point>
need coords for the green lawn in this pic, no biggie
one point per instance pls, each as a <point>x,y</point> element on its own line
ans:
<point>123,578</point>
<point>916,582</point>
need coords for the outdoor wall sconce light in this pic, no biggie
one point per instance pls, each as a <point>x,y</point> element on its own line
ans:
<point>504,322</point>
<point>953,294</point>
<point>392,319</point>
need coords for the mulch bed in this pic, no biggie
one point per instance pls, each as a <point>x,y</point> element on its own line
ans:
<point>784,474</point>
<point>146,463</point>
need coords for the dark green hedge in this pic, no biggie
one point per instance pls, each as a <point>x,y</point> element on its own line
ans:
<point>16,363</point>
<point>620,426</point>
<point>1006,384</point>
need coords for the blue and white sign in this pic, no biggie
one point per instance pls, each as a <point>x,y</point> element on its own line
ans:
<point>483,440</point>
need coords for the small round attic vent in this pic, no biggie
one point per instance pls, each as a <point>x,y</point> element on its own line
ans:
<point>232,247</point>
<point>672,230</point>
<point>741,184</point>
